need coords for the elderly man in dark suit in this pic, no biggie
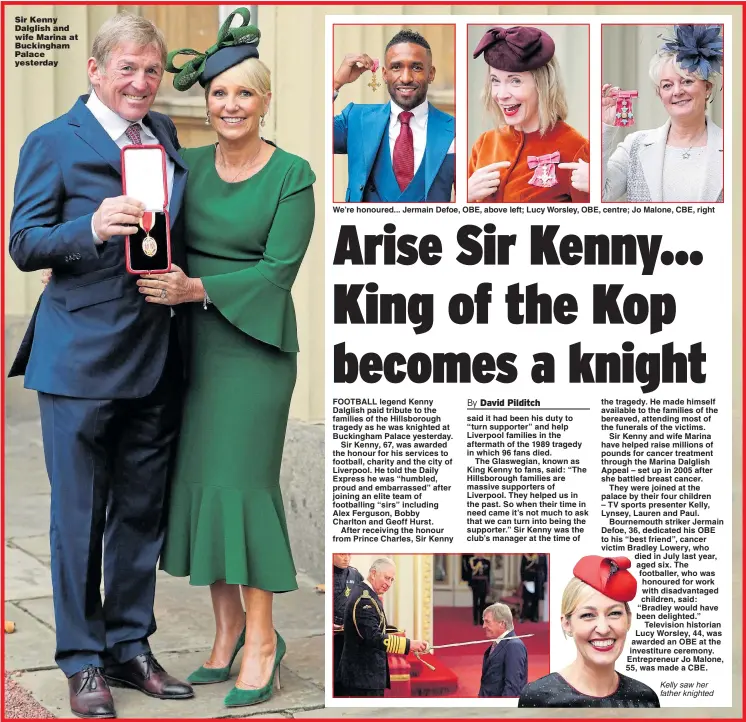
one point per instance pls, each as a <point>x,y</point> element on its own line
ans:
<point>505,663</point>
<point>106,366</point>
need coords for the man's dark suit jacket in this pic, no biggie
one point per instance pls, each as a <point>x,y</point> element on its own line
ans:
<point>504,668</point>
<point>92,335</point>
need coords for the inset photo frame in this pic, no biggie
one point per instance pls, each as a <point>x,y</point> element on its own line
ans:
<point>528,114</point>
<point>394,90</point>
<point>661,113</point>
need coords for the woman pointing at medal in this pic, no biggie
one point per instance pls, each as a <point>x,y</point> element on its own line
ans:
<point>682,161</point>
<point>249,215</point>
<point>532,155</point>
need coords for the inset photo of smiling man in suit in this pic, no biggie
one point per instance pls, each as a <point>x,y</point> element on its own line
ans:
<point>397,133</point>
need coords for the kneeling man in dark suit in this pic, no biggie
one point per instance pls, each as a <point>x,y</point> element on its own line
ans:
<point>505,663</point>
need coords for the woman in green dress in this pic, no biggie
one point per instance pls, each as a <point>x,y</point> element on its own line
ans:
<point>249,213</point>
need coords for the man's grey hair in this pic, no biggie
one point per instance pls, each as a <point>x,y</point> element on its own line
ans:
<point>380,563</point>
<point>126,28</point>
<point>500,613</point>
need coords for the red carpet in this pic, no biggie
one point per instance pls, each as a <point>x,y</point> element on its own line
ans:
<point>454,624</point>
<point>428,683</point>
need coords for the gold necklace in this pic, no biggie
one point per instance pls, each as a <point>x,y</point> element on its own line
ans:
<point>245,166</point>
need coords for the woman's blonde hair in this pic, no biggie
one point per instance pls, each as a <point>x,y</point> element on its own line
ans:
<point>251,73</point>
<point>551,92</point>
<point>575,593</point>
<point>662,58</point>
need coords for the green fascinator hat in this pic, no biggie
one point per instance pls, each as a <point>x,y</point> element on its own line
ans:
<point>233,46</point>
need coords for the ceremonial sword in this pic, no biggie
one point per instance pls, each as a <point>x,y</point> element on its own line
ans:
<point>464,644</point>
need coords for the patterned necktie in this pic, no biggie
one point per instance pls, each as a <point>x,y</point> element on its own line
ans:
<point>133,133</point>
<point>404,152</point>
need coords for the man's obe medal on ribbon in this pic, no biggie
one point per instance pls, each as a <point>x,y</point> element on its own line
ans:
<point>374,84</point>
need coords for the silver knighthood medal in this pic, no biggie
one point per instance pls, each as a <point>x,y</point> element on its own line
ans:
<point>149,244</point>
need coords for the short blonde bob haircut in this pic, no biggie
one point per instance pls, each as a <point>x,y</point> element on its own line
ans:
<point>251,73</point>
<point>552,98</point>
<point>576,592</point>
<point>661,59</point>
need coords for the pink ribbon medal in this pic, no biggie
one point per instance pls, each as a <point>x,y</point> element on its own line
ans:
<point>544,171</point>
<point>624,115</point>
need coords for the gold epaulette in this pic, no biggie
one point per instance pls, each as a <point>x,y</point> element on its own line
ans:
<point>395,645</point>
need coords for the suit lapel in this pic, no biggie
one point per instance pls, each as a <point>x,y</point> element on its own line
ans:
<point>177,193</point>
<point>486,657</point>
<point>90,131</point>
<point>713,180</point>
<point>163,138</point>
<point>439,139</point>
<point>180,168</point>
<point>494,649</point>
<point>373,125</point>
<point>651,159</point>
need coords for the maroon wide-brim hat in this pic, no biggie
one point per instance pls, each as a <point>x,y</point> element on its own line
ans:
<point>515,50</point>
<point>608,575</point>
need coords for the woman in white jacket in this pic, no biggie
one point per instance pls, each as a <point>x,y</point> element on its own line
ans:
<point>682,161</point>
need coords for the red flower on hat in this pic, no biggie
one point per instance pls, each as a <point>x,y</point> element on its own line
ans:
<point>608,575</point>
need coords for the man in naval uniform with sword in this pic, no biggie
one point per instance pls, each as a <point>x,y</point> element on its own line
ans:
<point>364,667</point>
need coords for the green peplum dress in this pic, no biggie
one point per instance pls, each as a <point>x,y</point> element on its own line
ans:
<point>246,241</point>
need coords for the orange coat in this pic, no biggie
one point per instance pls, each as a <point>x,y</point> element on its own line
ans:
<point>516,146</point>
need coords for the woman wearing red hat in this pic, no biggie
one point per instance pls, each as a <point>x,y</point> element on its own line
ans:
<point>596,614</point>
<point>532,155</point>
